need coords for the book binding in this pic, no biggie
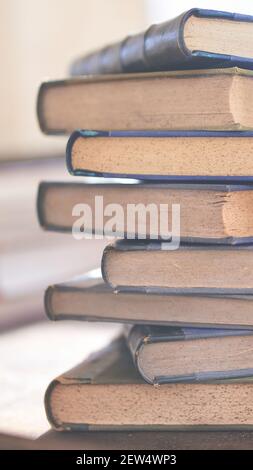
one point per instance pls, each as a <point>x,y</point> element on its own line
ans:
<point>160,47</point>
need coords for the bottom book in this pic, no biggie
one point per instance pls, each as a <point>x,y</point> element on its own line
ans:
<point>106,393</point>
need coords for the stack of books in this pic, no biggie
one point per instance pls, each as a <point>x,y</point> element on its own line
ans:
<point>185,136</point>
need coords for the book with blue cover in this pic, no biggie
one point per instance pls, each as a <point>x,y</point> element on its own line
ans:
<point>165,355</point>
<point>200,156</point>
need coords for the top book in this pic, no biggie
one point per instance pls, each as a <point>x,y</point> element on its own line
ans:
<point>197,38</point>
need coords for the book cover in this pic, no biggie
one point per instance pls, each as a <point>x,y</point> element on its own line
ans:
<point>88,298</point>
<point>167,355</point>
<point>209,99</point>
<point>227,178</point>
<point>161,47</point>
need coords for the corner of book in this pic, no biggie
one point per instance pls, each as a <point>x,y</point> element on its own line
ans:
<point>40,105</point>
<point>39,108</point>
<point>104,272</point>
<point>242,71</point>
<point>47,404</point>
<point>48,303</point>
<point>40,203</point>
<point>73,137</point>
<point>106,253</point>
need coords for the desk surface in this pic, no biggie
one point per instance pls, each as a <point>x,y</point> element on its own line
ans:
<point>207,440</point>
<point>33,356</point>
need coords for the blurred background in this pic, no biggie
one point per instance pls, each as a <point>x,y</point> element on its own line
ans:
<point>39,40</point>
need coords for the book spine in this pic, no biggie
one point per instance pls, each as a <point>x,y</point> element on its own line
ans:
<point>48,303</point>
<point>48,408</point>
<point>138,336</point>
<point>160,47</point>
<point>108,249</point>
<point>157,48</point>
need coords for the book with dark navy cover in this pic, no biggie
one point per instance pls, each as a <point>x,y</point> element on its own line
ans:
<point>139,336</point>
<point>149,246</point>
<point>156,134</point>
<point>160,47</point>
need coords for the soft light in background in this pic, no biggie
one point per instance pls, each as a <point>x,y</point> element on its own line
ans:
<point>160,10</point>
<point>39,39</point>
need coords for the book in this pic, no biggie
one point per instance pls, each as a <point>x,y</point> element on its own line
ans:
<point>170,155</point>
<point>88,298</point>
<point>199,269</point>
<point>196,38</point>
<point>107,393</point>
<point>223,212</point>
<point>165,355</point>
<point>216,99</point>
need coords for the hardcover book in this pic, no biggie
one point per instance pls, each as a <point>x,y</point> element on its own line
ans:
<point>217,99</point>
<point>88,298</point>
<point>171,155</point>
<point>199,269</point>
<point>196,38</point>
<point>165,355</point>
<point>208,212</point>
<point>107,393</point>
